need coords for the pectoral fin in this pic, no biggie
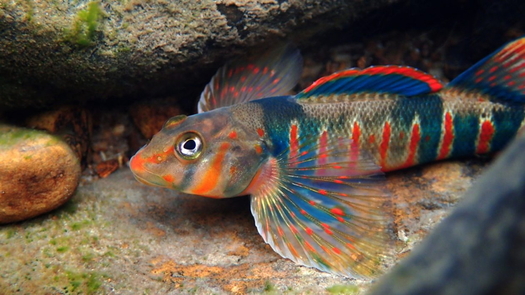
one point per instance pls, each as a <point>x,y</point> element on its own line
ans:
<point>325,210</point>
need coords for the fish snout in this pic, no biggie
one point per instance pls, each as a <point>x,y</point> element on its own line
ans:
<point>139,167</point>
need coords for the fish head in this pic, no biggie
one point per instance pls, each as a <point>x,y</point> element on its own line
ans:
<point>208,154</point>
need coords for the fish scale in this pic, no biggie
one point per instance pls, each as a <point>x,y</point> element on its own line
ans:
<point>314,162</point>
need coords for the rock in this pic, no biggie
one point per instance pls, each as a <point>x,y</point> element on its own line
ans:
<point>105,168</point>
<point>63,50</point>
<point>72,124</point>
<point>480,247</point>
<point>38,173</point>
<point>150,116</point>
<point>58,51</point>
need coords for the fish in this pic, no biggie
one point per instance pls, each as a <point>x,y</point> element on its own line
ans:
<point>314,163</point>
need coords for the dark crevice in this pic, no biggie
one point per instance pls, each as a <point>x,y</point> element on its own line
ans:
<point>234,17</point>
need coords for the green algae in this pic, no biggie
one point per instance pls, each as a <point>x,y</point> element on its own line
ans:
<point>30,10</point>
<point>82,282</point>
<point>269,288</point>
<point>80,224</point>
<point>59,241</point>
<point>343,289</point>
<point>88,257</point>
<point>85,26</point>
<point>62,249</point>
<point>69,208</point>
<point>10,136</point>
<point>10,232</point>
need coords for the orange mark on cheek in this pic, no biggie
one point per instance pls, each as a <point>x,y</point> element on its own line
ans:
<point>258,149</point>
<point>160,157</point>
<point>156,159</point>
<point>233,135</point>
<point>211,178</point>
<point>169,178</point>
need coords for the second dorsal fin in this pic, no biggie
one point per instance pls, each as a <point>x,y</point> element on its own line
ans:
<point>500,75</point>
<point>399,80</point>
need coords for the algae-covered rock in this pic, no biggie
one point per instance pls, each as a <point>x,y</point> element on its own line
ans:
<point>38,173</point>
<point>79,50</point>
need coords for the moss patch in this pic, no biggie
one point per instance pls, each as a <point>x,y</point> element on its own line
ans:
<point>81,282</point>
<point>85,26</point>
<point>343,289</point>
<point>269,287</point>
<point>10,136</point>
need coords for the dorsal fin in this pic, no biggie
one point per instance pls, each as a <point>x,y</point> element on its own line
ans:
<point>500,75</point>
<point>399,80</point>
<point>273,73</point>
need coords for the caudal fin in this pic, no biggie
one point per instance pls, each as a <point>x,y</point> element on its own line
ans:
<point>500,75</point>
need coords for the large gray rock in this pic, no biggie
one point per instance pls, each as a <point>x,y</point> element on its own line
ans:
<point>77,50</point>
<point>480,247</point>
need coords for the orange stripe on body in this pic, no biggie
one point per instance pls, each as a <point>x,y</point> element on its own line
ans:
<point>354,147</point>
<point>385,144</point>
<point>448,137</point>
<point>415,137</point>
<point>486,134</point>
<point>212,176</point>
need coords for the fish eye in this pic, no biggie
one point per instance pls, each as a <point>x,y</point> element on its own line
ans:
<point>189,146</point>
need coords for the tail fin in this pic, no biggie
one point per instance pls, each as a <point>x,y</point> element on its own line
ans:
<point>500,75</point>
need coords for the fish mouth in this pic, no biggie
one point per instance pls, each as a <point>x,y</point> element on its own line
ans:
<point>158,181</point>
<point>141,179</point>
<point>139,168</point>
